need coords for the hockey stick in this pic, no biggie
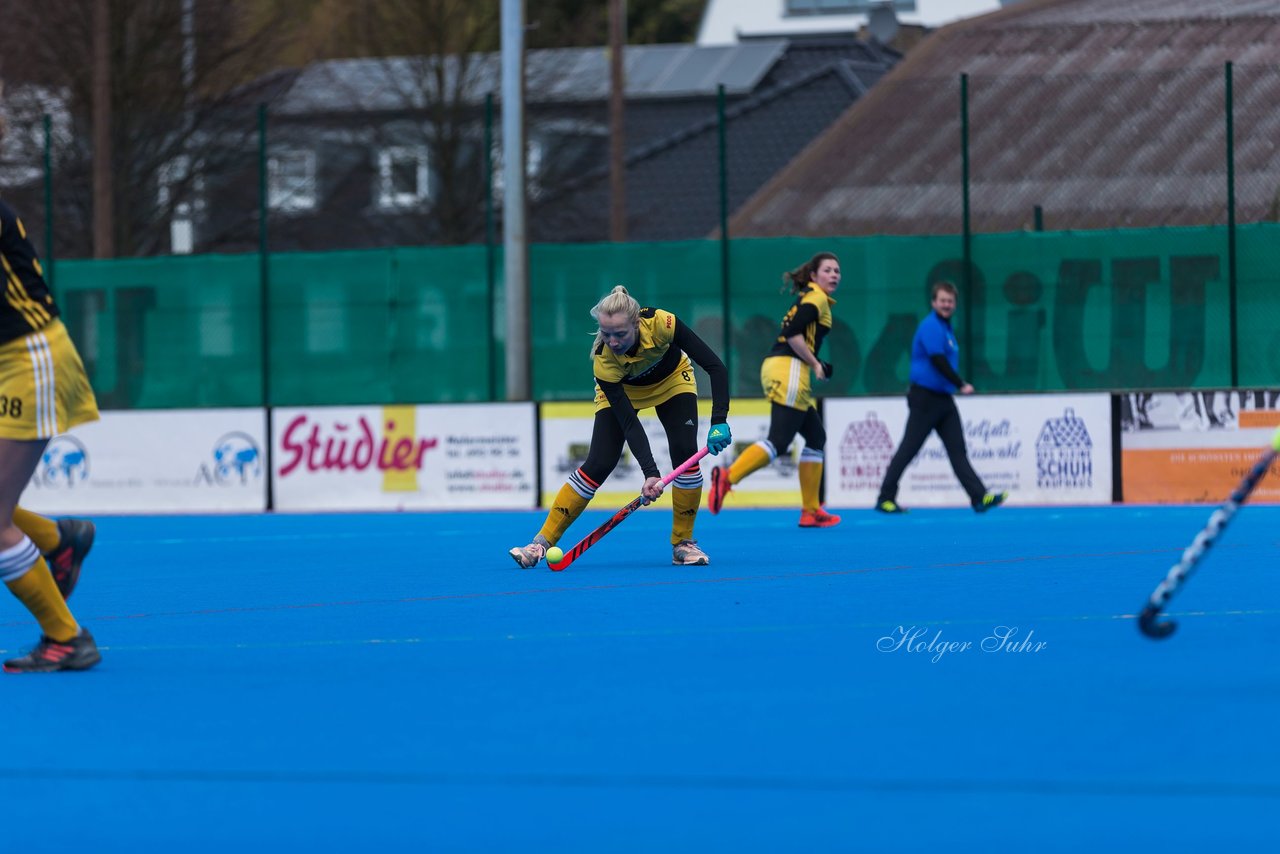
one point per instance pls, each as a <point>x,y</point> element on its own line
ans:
<point>1181,571</point>
<point>595,536</point>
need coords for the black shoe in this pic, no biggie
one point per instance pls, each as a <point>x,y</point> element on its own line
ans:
<point>890,507</point>
<point>991,499</point>
<point>79,653</point>
<point>75,540</point>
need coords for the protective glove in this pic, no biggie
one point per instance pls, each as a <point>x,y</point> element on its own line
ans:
<point>828,369</point>
<point>718,438</point>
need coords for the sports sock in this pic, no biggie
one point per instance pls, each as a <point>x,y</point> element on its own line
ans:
<point>810,479</point>
<point>571,500</point>
<point>756,456</point>
<point>684,509</point>
<point>42,531</point>
<point>33,586</point>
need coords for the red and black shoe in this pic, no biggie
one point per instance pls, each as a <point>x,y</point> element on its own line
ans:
<point>720,487</point>
<point>819,518</point>
<point>79,653</point>
<point>75,540</point>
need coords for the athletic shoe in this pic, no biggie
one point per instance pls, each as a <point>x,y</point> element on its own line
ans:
<point>991,499</point>
<point>687,553</point>
<point>528,557</point>
<point>75,538</point>
<point>79,653</point>
<point>890,507</point>
<point>720,487</point>
<point>818,519</point>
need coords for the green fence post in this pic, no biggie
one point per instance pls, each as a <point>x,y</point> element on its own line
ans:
<point>967,236</point>
<point>1231,229</point>
<point>490,253</point>
<point>722,141</point>
<point>264,289</point>
<point>48,199</point>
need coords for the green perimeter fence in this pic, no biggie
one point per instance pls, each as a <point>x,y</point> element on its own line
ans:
<point>1039,311</point>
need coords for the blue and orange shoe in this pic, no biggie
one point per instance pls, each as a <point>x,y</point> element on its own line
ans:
<point>75,540</point>
<point>79,653</point>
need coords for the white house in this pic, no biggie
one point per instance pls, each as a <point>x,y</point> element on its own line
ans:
<point>729,21</point>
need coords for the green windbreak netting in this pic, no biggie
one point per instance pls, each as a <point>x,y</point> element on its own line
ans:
<point>381,326</point>
<point>1044,311</point>
<point>1258,327</point>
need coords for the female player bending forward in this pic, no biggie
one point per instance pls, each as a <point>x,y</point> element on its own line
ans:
<point>641,359</point>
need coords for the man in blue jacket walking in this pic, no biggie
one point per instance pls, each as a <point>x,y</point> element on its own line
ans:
<point>935,377</point>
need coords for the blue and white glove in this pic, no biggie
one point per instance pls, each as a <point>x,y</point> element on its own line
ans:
<point>718,438</point>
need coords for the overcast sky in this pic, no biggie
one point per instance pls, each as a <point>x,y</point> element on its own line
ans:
<point>725,18</point>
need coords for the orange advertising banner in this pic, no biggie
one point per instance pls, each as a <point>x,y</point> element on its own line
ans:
<point>1194,447</point>
<point>1194,475</point>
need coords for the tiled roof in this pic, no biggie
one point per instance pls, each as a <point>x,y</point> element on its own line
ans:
<point>1105,114</point>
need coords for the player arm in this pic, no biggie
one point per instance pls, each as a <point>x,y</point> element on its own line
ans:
<point>637,441</point>
<point>702,354</point>
<point>940,361</point>
<point>793,334</point>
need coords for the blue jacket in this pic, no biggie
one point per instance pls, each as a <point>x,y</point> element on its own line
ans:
<point>933,337</point>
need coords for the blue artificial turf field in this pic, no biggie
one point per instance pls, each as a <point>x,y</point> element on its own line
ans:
<point>393,682</point>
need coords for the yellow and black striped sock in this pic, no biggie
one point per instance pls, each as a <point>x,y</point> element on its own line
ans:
<point>35,589</point>
<point>42,531</point>
<point>755,457</point>
<point>571,500</point>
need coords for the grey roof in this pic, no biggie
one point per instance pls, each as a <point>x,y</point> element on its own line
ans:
<point>1104,114</point>
<point>673,182</point>
<point>559,75</point>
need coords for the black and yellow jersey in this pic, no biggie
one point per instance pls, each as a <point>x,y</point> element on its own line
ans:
<point>650,360</point>
<point>810,316</point>
<point>27,304</point>
<point>661,344</point>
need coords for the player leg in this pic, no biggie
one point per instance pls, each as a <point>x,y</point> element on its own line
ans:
<point>951,431</point>
<point>679,417</point>
<point>812,515</point>
<point>576,493</point>
<point>922,414</point>
<point>63,644</point>
<point>43,372</point>
<point>786,384</point>
<point>64,543</point>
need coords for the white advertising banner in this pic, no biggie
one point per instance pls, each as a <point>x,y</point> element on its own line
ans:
<point>566,436</point>
<point>437,457</point>
<point>1043,449</point>
<point>167,461</point>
